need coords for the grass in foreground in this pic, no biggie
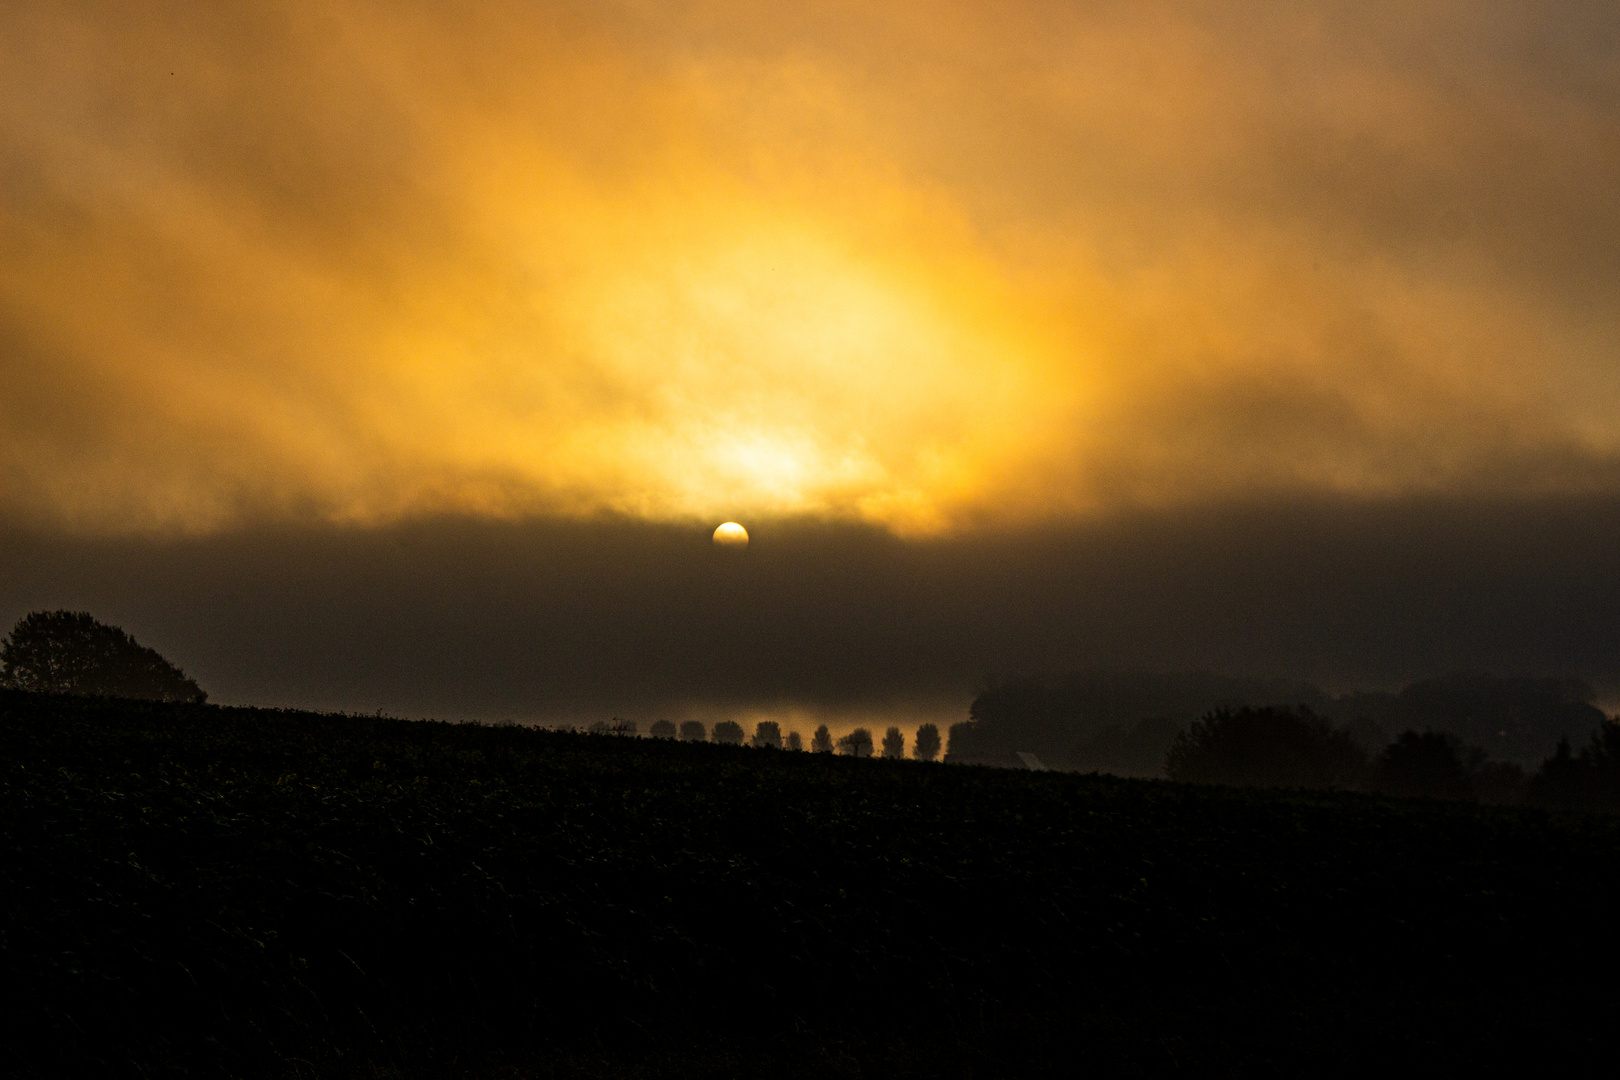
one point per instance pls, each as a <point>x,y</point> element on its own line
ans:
<point>201,891</point>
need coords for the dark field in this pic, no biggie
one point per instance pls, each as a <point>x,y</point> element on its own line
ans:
<point>192,890</point>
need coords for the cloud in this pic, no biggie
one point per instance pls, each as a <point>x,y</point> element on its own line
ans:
<point>931,268</point>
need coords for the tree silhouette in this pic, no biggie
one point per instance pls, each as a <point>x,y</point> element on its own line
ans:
<point>857,743</point>
<point>926,746</point>
<point>894,744</point>
<point>729,732</point>
<point>794,742</point>
<point>1590,781</point>
<point>694,731</point>
<point>69,652</point>
<point>662,729</point>
<point>821,742</point>
<point>1427,765</point>
<point>768,735</point>
<point>1265,748</point>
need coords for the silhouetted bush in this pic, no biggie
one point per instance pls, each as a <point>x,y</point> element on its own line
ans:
<point>821,742</point>
<point>925,747</point>
<point>1427,765</point>
<point>616,726</point>
<point>894,744</point>
<point>662,729</point>
<point>768,735</point>
<point>1588,781</point>
<point>1265,748</point>
<point>729,732</point>
<point>794,742</point>
<point>694,731</point>
<point>69,652</point>
<point>857,743</point>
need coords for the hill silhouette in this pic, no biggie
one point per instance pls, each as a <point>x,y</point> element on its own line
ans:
<point>194,890</point>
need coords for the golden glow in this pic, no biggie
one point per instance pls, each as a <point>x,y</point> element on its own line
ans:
<point>731,534</point>
<point>931,266</point>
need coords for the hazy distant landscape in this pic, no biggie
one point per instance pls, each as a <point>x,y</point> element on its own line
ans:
<point>1501,729</point>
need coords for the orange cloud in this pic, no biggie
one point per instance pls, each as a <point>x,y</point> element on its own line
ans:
<point>931,266</point>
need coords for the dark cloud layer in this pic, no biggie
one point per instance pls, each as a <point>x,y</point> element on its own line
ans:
<point>578,620</point>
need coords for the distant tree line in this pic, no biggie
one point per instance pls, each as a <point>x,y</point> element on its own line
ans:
<point>768,735</point>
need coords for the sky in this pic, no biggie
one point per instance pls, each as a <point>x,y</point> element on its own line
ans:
<point>1269,337</point>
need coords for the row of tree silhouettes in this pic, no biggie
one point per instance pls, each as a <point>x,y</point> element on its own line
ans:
<point>768,735</point>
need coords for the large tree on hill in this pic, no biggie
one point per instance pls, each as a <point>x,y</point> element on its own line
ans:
<point>69,652</point>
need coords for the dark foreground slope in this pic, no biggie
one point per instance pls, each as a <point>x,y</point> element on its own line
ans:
<point>201,891</point>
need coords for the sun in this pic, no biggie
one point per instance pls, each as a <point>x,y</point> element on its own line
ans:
<point>731,534</point>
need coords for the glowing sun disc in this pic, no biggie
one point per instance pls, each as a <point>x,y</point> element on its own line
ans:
<point>731,534</point>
